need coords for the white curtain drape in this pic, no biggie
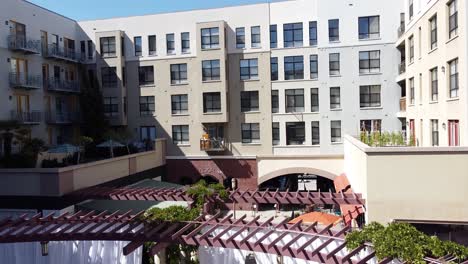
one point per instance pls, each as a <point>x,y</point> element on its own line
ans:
<point>70,252</point>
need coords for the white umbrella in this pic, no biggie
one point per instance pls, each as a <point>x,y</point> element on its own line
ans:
<point>111,145</point>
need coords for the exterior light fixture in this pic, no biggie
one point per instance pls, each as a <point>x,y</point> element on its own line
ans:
<point>443,69</point>
<point>234,184</point>
<point>444,126</point>
<point>44,248</point>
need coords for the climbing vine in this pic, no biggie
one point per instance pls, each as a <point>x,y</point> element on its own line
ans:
<point>404,242</point>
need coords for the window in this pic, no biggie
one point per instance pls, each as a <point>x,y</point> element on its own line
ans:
<point>293,67</point>
<point>433,26</point>
<point>146,75</point>
<point>249,69</point>
<point>250,132</point>
<point>370,96</point>
<point>185,44</point>
<point>83,49</point>
<point>453,18</point>
<point>335,98</point>
<point>314,99</point>
<point>411,48</point>
<point>453,68</point>
<point>454,132</point>
<point>273,36</point>
<point>249,101</point>
<point>314,67</point>
<point>334,64</point>
<point>210,38</point>
<point>274,68</point>
<point>111,106</point>
<point>211,102</point>
<point>147,133</point>
<point>435,132</point>
<point>210,70</point>
<point>313,33</point>
<point>178,73</point>
<point>180,135</point>
<point>179,104</point>
<point>434,85</point>
<point>240,38</point>
<point>274,101</point>
<point>276,133</point>
<point>170,44</point>
<point>333,30</point>
<point>255,37</point>
<point>107,47</point>
<point>122,46</point>
<point>374,125</point>
<point>411,85</point>
<point>292,34</point>
<point>146,105</point>
<point>294,100</point>
<point>152,45</point>
<point>315,133</point>
<point>411,9</point>
<point>369,61</point>
<point>369,27</point>
<point>138,46</point>
<point>295,133</point>
<point>335,131</point>
<point>90,49</point>
<point>109,77</point>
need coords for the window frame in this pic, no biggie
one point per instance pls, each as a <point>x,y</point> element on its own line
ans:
<point>185,42</point>
<point>250,101</point>
<point>335,98</point>
<point>111,109</point>
<point>334,66</point>
<point>240,38</point>
<point>181,134</point>
<point>252,70</point>
<point>453,19</point>
<point>295,133</point>
<point>179,73</point>
<point>147,105</point>
<point>274,101</point>
<point>108,49</point>
<point>433,32</point>
<point>314,100</point>
<point>255,37</point>
<point>333,30</point>
<point>138,46</point>
<point>212,102</point>
<point>368,58</point>
<point>294,100</point>
<point>315,131</point>
<point>250,133</point>
<point>170,44</point>
<point>211,73</point>
<point>144,73</point>
<point>313,32</point>
<point>454,81</point>
<point>274,68</point>
<point>109,77</point>
<point>369,34</point>
<point>179,104</point>
<point>297,64</point>
<point>273,36</point>
<point>313,65</point>
<point>411,87</point>
<point>368,97</point>
<point>434,75</point>
<point>210,39</point>
<point>435,132</point>
<point>275,133</point>
<point>336,131</point>
<point>291,31</point>
<point>152,45</point>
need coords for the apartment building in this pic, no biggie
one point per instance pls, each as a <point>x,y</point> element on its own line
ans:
<point>433,50</point>
<point>39,71</point>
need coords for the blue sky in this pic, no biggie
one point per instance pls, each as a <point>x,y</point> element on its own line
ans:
<point>95,9</point>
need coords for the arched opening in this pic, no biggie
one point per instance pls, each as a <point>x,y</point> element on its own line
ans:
<point>209,179</point>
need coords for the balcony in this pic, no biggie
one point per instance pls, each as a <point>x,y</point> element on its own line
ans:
<point>402,67</point>
<point>60,53</point>
<point>62,118</point>
<point>401,30</point>
<point>213,144</point>
<point>403,104</point>
<point>24,44</point>
<point>30,117</point>
<point>25,81</point>
<point>57,85</point>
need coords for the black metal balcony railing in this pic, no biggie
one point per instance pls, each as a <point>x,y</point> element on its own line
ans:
<point>57,52</point>
<point>31,117</point>
<point>402,67</point>
<point>213,144</point>
<point>58,85</point>
<point>25,81</point>
<point>24,44</point>
<point>62,117</point>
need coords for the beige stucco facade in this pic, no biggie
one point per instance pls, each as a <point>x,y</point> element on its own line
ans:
<point>411,184</point>
<point>443,107</point>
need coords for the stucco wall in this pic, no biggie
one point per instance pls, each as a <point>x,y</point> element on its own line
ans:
<point>409,183</point>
